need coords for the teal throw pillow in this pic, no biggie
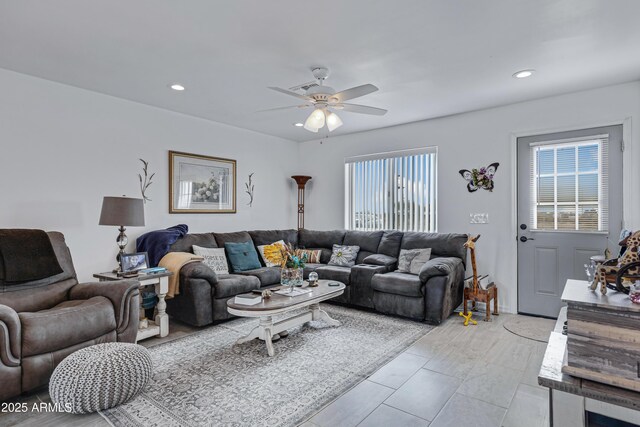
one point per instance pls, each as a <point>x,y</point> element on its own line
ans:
<point>242,256</point>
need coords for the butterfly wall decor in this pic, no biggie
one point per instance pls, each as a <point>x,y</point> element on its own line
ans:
<point>480,178</point>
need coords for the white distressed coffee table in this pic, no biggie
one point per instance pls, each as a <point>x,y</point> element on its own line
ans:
<point>281,304</point>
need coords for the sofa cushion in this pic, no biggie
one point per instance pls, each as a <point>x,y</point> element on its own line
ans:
<point>313,239</point>
<point>214,258</point>
<point>56,328</point>
<point>237,237</point>
<point>442,245</point>
<point>230,285</point>
<point>368,241</point>
<point>390,243</point>
<point>267,275</point>
<point>242,256</point>
<point>440,266</point>
<point>334,272</point>
<point>313,256</point>
<point>185,244</point>
<point>267,237</point>
<point>344,256</point>
<point>264,260</point>
<point>396,283</point>
<point>412,260</point>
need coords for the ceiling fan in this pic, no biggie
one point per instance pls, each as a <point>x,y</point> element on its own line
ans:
<point>324,99</point>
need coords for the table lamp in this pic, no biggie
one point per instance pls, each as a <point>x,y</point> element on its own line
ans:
<point>122,212</point>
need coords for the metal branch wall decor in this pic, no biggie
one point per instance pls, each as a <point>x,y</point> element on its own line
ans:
<point>145,181</point>
<point>249,189</point>
<point>480,178</point>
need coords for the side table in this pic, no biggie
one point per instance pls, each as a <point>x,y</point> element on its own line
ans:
<point>159,326</point>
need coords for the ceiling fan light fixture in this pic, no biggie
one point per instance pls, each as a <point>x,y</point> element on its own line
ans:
<point>333,121</point>
<point>315,120</point>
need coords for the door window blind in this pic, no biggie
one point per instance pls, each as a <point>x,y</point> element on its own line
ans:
<point>392,191</point>
<point>569,185</point>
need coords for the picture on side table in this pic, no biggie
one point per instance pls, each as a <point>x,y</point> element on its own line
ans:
<point>201,184</point>
<point>134,262</point>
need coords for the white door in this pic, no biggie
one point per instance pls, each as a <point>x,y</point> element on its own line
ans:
<point>569,209</point>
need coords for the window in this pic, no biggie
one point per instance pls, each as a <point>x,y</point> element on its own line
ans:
<point>570,185</point>
<point>392,191</point>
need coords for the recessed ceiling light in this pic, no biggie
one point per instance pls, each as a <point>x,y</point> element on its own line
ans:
<point>523,74</point>
<point>298,125</point>
<point>177,86</point>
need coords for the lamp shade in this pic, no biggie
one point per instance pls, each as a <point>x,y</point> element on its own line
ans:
<point>125,211</point>
<point>333,121</point>
<point>315,120</point>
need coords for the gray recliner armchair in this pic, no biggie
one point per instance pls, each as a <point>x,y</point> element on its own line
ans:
<point>43,321</point>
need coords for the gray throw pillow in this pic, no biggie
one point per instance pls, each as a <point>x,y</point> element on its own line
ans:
<point>344,256</point>
<point>411,260</point>
<point>214,258</point>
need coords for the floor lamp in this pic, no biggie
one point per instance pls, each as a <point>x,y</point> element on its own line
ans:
<point>301,180</point>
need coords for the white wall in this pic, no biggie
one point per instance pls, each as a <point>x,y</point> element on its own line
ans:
<point>472,140</point>
<point>62,149</point>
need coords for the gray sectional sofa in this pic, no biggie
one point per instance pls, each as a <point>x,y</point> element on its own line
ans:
<point>373,283</point>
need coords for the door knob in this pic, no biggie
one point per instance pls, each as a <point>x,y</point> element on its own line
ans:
<point>524,238</point>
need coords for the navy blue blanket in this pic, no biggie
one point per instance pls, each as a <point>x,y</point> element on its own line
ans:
<point>157,243</point>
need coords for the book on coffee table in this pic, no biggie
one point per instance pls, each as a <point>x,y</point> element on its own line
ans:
<point>248,299</point>
<point>293,293</point>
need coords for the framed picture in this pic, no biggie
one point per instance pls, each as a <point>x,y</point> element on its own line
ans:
<point>201,184</point>
<point>134,262</point>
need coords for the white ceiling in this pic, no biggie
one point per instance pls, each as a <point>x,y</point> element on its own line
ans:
<point>429,58</point>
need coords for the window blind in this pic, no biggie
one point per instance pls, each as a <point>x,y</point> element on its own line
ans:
<point>570,185</point>
<point>391,191</point>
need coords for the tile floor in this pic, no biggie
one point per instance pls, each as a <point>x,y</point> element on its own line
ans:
<point>454,376</point>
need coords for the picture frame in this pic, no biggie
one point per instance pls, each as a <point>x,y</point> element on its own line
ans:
<point>201,184</point>
<point>134,262</point>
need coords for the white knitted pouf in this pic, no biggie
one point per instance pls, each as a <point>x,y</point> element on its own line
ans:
<point>100,377</point>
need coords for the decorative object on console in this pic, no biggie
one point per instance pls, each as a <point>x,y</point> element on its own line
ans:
<point>122,212</point>
<point>344,256</point>
<point>480,178</point>
<point>145,182</point>
<point>201,184</point>
<point>622,270</point>
<point>411,260</point>
<point>242,256</point>
<point>476,292</point>
<point>249,189</point>
<point>266,294</point>
<point>214,258</point>
<point>301,180</point>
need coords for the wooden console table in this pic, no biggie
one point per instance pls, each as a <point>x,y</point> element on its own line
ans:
<point>159,326</point>
<point>572,398</point>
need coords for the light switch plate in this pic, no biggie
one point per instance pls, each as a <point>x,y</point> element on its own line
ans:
<point>479,218</point>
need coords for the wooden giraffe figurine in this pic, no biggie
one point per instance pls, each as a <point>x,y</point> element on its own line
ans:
<point>471,245</point>
<point>475,293</point>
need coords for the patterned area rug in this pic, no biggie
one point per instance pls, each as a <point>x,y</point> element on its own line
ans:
<point>533,328</point>
<point>205,379</point>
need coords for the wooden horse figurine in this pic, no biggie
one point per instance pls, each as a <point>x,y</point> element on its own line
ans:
<point>467,318</point>
<point>475,292</point>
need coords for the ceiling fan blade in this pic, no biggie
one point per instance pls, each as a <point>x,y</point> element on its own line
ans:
<point>363,109</point>
<point>291,107</point>
<point>288,92</point>
<point>354,92</point>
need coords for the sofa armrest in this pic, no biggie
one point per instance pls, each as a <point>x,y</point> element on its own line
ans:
<point>382,260</point>
<point>10,336</point>
<point>441,266</point>
<point>198,270</point>
<point>125,297</point>
<point>443,293</point>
